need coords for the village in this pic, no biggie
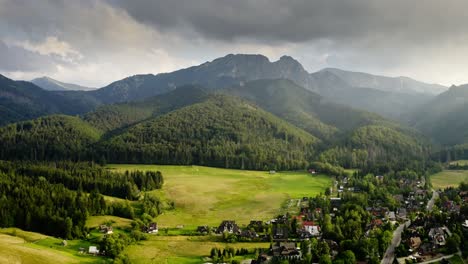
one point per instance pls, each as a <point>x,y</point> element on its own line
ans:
<point>364,219</point>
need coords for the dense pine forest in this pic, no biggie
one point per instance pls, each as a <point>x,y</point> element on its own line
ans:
<point>57,198</point>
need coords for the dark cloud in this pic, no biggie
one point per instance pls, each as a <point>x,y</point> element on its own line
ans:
<point>99,41</point>
<point>304,20</point>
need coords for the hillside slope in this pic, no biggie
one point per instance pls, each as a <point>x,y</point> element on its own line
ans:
<point>221,131</point>
<point>303,108</point>
<point>21,100</point>
<point>115,116</point>
<point>444,118</point>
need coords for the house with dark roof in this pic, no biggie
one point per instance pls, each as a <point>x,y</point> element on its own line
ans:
<point>286,250</point>
<point>228,226</point>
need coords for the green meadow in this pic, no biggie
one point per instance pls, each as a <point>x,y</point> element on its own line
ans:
<point>206,196</point>
<point>448,178</point>
<point>180,249</point>
<point>18,246</point>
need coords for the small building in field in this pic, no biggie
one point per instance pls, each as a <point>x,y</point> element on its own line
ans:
<point>106,229</point>
<point>93,250</point>
<point>152,228</point>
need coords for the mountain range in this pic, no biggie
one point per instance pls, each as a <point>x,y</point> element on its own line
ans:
<point>329,105</point>
<point>262,124</point>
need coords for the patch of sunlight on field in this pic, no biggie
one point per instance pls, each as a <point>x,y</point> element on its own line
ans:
<point>205,196</point>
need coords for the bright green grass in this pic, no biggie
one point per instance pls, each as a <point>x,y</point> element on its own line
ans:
<point>179,249</point>
<point>206,196</point>
<point>448,178</point>
<point>17,246</point>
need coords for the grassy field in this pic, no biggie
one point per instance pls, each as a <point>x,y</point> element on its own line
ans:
<point>179,249</point>
<point>459,162</point>
<point>115,221</point>
<point>205,196</point>
<point>448,178</point>
<point>17,246</point>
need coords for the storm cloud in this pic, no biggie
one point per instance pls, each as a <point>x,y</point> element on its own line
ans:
<point>93,42</point>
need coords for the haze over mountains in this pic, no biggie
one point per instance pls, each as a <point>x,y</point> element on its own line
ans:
<point>328,104</point>
<point>50,84</point>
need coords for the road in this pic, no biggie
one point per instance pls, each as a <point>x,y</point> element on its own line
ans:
<point>390,253</point>
<point>431,202</point>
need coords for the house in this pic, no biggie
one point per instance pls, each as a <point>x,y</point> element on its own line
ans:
<point>286,250</point>
<point>399,198</point>
<point>203,229</point>
<point>465,224</point>
<point>228,226</point>
<point>376,222</point>
<point>256,225</point>
<point>335,202</point>
<point>311,228</point>
<point>250,234</point>
<point>414,242</point>
<point>153,228</point>
<point>420,194</point>
<point>391,216</point>
<point>402,214</point>
<point>93,250</point>
<point>106,229</point>
<point>437,235</point>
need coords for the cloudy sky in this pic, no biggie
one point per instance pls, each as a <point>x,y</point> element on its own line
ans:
<point>95,42</point>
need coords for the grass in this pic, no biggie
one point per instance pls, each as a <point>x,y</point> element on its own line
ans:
<point>180,249</point>
<point>95,221</point>
<point>205,196</point>
<point>459,162</point>
<point>448,178</point>
<point>17,246</point>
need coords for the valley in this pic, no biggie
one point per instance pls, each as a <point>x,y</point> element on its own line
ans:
<point>237,159</point>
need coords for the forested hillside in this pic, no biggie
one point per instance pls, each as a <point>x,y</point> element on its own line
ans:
<point>221,131</point>
<point>303,108</point>
<point>380,149</point>
<point>110,117</point>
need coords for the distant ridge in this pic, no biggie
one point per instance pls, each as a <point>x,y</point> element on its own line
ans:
<point>50,84</point>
